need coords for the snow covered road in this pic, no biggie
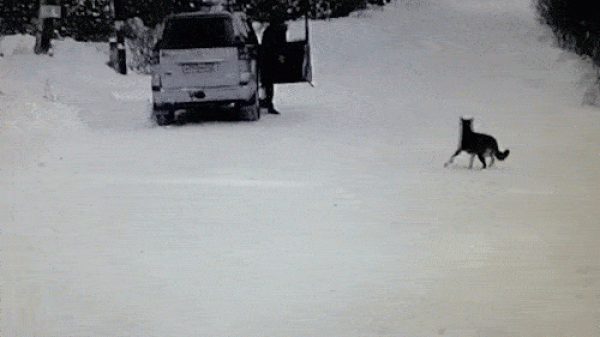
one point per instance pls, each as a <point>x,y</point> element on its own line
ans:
<point>336,218</point>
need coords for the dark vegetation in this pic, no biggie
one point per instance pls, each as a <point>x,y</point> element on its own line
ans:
<point>92,20</point>
<point>576,24</point>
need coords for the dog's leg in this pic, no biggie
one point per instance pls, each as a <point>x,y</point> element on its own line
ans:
<point>452,157</point>
<point>471,161</point>
<point>493,160</point>
<point>481,159</point>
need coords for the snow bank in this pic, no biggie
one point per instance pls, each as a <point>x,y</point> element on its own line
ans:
<point>16,44</point>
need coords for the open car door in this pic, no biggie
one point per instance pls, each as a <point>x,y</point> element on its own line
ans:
<point>296,66</point>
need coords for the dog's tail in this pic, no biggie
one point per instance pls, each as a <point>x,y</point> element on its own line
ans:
<point>502,155</point>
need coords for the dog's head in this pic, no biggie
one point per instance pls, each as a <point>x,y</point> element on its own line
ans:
<point>467,122</point>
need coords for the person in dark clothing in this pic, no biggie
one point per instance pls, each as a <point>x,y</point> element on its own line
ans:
<point>273,45</point>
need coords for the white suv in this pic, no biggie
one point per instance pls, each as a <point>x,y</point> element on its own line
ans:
<point>206,59</point>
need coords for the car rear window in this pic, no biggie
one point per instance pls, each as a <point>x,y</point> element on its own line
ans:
<point>198,32</point>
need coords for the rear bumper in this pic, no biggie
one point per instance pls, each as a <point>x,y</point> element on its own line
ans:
<point>197,97</point>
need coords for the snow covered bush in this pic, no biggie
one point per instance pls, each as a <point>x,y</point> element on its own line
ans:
<point>140,41</point>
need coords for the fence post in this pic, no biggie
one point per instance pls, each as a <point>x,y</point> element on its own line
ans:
<point>112,57</point>
<point>118,58</point>
<point>122,62</point>
<point>46,15</point>
<point>121,55</point>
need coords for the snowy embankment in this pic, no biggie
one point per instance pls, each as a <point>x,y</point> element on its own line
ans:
<point>335,218</point>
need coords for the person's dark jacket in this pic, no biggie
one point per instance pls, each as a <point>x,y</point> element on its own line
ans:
<point>273,44</point>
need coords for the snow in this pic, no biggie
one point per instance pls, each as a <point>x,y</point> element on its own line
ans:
<point>335,218</point>
<point>16,44</point>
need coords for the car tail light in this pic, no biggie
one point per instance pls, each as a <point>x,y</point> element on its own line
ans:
<point>245,78</point>
<point>246,56</point>
<point>247,71</point>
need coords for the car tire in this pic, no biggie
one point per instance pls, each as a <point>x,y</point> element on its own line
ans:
<point>164,116</point>
<point>249,111</point>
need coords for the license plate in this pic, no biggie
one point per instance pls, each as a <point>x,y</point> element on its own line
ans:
<point>195,68</point>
